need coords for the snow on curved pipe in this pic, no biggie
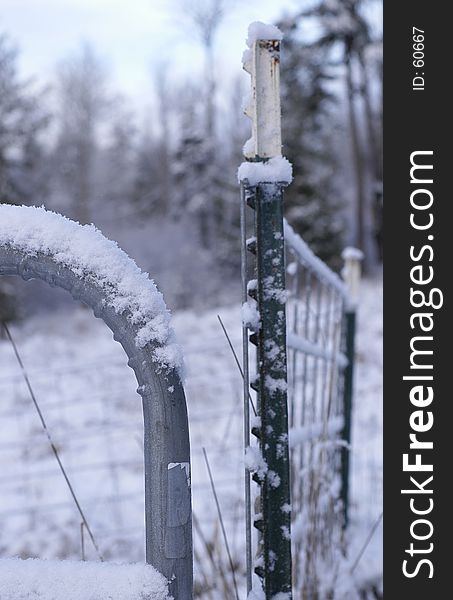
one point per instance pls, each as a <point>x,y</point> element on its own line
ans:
<point>85,251</point>
<point>35,243</point>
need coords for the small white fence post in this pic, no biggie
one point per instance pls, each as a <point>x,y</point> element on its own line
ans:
<point>262,61</point>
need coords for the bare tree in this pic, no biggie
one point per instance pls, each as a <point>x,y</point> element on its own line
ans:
<point>83,101</point>
<point>356,146</point>
<point>374,130</point>
<point>198,134</point>
<point>206,17</point>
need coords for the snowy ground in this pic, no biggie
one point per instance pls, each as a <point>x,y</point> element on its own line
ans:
<point>367,440</point>
<point>87,395</point>
<point>78,580</point>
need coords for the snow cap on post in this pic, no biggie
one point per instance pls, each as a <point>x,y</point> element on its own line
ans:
<point>262,61</point>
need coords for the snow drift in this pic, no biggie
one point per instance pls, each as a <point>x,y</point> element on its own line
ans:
<point>35,579</point>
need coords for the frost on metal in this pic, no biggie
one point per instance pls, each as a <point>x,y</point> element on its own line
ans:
<point>275,385</point>
<point>255,462</point>
<point>251,315</point>
<point>85,251</point>
<point>300,343</point>
<point>305,255</point>
<point>78,580</point>
<point>313,431</point>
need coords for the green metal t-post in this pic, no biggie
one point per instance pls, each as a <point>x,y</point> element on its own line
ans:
<point>262,61</point>
<point>351,274</point>
<point>350,326</point>
<point>272,389</point>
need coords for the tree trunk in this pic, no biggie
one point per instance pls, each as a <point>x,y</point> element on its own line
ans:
<point>164,103</point>
<point>210,94</point>
<point>358,165</point>
<point>374,146</point>
<point>375,153</point>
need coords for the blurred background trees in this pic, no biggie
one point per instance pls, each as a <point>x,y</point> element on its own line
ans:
<point>83,102</point>
<point>24,118</point>
<point>80,148</point>
<point>333,125</point>
<point>23,169</point>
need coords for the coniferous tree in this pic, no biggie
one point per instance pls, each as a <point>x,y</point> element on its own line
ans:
<point>346,33</point>
<point>118,163</point>
<point>22,153</point>
<point>192,171</point>
<point>83,100</point>
<point>149,193</point>
<point>313,201</point>
<point>22,122</point>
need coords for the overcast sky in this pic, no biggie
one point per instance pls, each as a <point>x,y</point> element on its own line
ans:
<point>131,35</point>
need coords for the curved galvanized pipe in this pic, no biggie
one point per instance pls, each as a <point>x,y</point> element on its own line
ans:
<point>168,509</point>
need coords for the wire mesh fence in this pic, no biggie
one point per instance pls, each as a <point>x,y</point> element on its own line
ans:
<point>320,344</point>
<point>97,426</point>
<point>87,394</point>
<point>316,367</point>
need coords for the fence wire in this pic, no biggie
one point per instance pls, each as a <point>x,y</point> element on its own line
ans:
<point>96,421</point>
<point>317,306</point>
<point>316,362</point>
<point>95,418</point>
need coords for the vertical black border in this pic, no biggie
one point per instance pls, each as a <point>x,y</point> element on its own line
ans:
<point>416,120</point>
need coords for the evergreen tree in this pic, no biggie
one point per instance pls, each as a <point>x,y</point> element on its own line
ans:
<point>193,172</point>
<point>153,184</point>
<point>118,162</point>
<point>313,202</point>
<point>150,195</point>
<point>22,155</point>
<point>346,32</point>
<point>22,121</point>
<point>83,100</point>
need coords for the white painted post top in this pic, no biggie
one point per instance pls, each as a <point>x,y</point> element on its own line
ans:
<point>352,272</point>
<point>262,61</point>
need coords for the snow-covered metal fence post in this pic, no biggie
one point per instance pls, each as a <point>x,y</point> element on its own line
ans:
<point>262,179</point>
<point>168,510</point>
<point>351,275</point>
